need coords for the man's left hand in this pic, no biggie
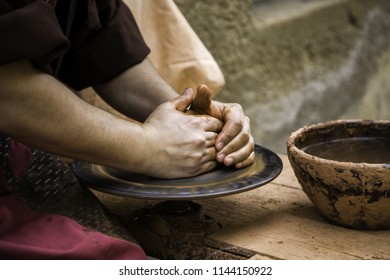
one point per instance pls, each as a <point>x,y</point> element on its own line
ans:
<point>234,144</point>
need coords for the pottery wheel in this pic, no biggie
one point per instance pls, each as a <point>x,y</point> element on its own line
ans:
<point>218,182</point>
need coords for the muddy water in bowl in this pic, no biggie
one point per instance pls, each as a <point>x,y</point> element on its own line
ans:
<point>358,149</point>
<point>344,168</point>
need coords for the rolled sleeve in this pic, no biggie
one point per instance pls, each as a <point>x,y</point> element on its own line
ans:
<point>104,39</point>
<point>102,53</point>
<point>31,32</point>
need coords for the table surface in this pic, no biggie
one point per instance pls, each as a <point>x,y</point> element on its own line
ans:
<point>278,221</point>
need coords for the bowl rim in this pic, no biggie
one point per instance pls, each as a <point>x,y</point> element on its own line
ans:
<point>292,148</point>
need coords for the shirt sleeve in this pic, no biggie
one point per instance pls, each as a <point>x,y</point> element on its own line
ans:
<point>105,43</point>
<point>104,39</point>
<point>30,32</point>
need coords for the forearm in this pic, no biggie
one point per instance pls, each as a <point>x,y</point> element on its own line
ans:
<point>39,111</point>
<point>137,92</point>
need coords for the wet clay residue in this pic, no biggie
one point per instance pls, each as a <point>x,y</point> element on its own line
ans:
<point>356,149</point>
<point>347,193</point>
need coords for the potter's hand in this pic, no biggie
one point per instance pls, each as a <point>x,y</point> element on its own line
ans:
<point>234,144</point>
<point>179,144</point>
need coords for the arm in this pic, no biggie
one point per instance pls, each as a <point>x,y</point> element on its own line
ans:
<point>39,111</point>
<point>139,90</point>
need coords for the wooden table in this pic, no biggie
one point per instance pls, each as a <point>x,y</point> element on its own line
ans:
<point>278,221</point>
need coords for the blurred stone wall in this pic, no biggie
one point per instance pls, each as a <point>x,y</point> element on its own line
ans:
<point>291,63</point>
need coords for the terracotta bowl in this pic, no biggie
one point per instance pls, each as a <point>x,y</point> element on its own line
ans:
<point>344,168</point>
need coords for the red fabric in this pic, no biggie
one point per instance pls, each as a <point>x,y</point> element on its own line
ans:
<point>19,159</point>
<point>26,234</point>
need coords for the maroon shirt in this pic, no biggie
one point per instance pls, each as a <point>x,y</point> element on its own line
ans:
<point>103,41</point>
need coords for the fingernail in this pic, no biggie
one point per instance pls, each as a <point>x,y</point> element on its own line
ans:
<point>219,146</point>
<point>220,157</point>
<point>228,161</point>
<point>187,91</point>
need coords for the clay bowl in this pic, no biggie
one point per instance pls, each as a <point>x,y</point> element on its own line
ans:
<point>344,168</point>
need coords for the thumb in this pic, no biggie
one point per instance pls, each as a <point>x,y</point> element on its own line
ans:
<point>183,101</point>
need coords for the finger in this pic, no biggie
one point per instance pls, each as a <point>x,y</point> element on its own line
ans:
<point>246,162</point>
<point>238,141</point>
<point>202,100</point>
<point>230,130</point>
<point>240,155</point>
<point>234,124</point>
<point>208,166</point>
<point>208,162</point>
<point>183,101</point>
<point>210,154</point>
<point>210,139</point>
<point>243,141</point>
<point>212,124</point>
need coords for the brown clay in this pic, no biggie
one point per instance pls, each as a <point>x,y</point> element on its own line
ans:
<point>202,100</point>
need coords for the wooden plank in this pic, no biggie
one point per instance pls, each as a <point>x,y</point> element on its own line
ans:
<point>279,222</point>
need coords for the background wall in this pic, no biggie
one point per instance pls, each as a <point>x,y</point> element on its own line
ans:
<point>291,63</point>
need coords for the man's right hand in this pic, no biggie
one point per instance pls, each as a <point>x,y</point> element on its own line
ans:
<point>180,144</point>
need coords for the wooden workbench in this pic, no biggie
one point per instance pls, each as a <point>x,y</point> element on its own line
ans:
<point>278,221</point>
